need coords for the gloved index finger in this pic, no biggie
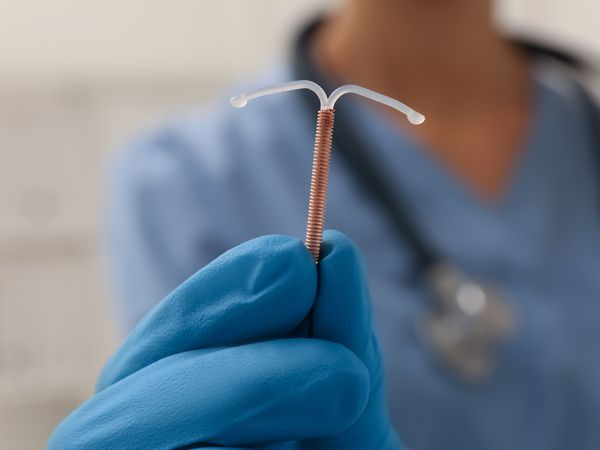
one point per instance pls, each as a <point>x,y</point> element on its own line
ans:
<point>258,290</point>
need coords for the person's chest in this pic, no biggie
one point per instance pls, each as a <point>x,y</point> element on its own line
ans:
<point>540,248</point>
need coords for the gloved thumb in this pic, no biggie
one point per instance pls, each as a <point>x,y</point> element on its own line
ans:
<point>342,310</point>
<point>342,314</point>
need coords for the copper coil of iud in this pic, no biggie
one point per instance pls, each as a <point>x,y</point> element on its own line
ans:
<point>318,183</point>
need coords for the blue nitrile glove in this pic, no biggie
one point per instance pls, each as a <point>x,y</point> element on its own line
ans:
<point>213,364</point>
<point>342,314</point>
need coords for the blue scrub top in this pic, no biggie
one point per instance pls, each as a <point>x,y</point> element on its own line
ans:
<point>184,193</point>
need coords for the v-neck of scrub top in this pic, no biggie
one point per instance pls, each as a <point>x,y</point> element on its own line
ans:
<point>496,239</point>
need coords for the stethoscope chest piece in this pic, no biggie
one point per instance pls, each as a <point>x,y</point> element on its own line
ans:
<point>465,322</point>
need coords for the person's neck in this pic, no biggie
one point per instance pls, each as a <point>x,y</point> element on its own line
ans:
<point>445,59</point>
<point>434,56</point>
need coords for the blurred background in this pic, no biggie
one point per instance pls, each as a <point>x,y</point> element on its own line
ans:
<point>78,78</point>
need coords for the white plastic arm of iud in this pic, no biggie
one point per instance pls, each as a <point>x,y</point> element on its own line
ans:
<point>413,116</point>
<point>241,100</point>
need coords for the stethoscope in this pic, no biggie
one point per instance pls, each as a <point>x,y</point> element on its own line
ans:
<point>467,318</point>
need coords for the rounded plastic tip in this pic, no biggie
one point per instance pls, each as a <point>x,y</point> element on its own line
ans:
<point>416,118</point>
<point>238,102</point>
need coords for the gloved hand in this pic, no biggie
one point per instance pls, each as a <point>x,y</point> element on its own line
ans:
<point>215,363</point>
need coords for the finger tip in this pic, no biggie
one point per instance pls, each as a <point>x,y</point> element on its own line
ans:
<point>284,267</point>
<point>289,256</point>
<point>333,237</point>
<point>339,252</point>
<point>277,252</point>
<point>279,245</point>
<point>334,384</point>
<point>351,393</point>
<point>336,242</point>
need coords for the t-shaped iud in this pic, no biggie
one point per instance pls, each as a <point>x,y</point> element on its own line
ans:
<point>322,151</point>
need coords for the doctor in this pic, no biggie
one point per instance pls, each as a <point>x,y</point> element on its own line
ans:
<point>502,182</point>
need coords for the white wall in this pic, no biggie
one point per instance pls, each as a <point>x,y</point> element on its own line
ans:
<point>76,78</point>
<point>143,38</point>
<point>573,22</point>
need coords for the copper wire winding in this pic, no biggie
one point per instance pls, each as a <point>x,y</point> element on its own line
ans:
<point>319,180</point>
